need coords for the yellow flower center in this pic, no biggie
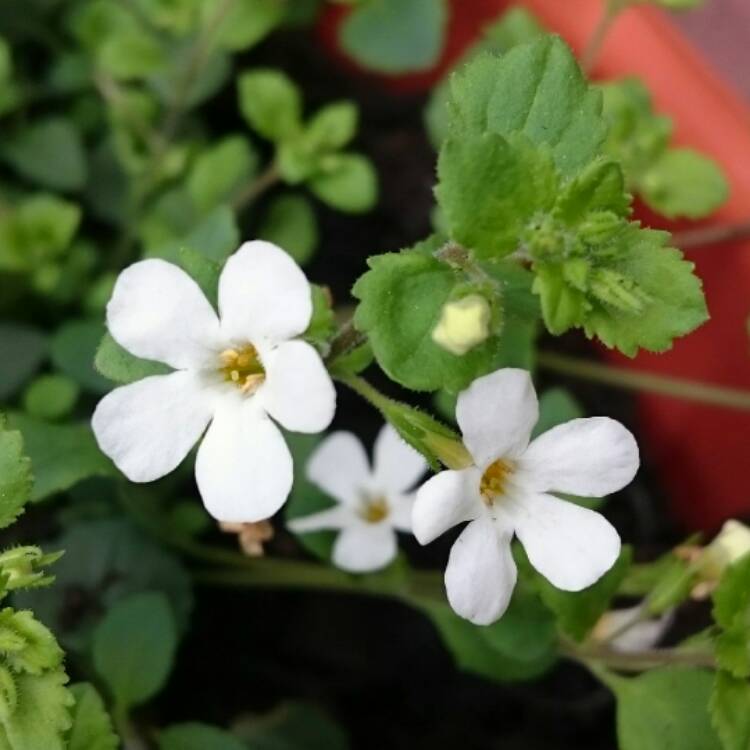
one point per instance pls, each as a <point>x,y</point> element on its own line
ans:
<point>374,509</point>
<point>494,480</point>
<point>243,367</point>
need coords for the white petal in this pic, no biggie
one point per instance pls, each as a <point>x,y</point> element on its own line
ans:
<point>496,414</point>
<point>481,574</point>
<point>571,546</point>
<point>589,457</point>
<point>340,468</point>
<point>263,295</point>
<point>396,465</point>
<point>243,468</point>
<point>148,427</point>
<point>401,508</point>
<point>298,391</point>
<point>337,517</point>
<point>158,312</point>
<point>447,499</point>
<point>365,547</point>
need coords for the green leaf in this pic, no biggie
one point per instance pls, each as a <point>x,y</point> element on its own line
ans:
<point>62,455</point>
<point>16,479</point>
<point>271,103</point>
<point>122,367</point>
<point>49,152</point>
<point>50,397</point>
<point>730,711</point>
<point>25,644</point>
<point>489,189</point>
<point>347,182</point>
<point>519,646</point>
<point>203,270</point>
<point>92,727</point>
<point>107,560</point>
<point>333,126</point>
<point>23,349</point>
<point>683,182</point>
<point>73,349</point>
<point>732,596</point>
<point>246,23</point>
<point>578,612</point>
<point>290,223</point>
<point>322,324</point>
<point>195,736</point>
<point>391,36</point>
<point>536,89</point>
<point>220,170</point>
<point>134,647</point>
<point>401,301</point>
<point>41,715</point>
<point>665,709</point>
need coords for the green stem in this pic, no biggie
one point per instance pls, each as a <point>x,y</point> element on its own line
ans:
<point>686,390</point>
<point>692,238</point>
<point>636,661</point>
<point>257,187</point>
<point>612,9</point>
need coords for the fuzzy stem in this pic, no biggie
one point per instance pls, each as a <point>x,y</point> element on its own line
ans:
<point>612,9</point>
<point>693,238</point>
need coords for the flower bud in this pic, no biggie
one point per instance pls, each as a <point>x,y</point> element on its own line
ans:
<point>730,544</point>
<point>464,323</point>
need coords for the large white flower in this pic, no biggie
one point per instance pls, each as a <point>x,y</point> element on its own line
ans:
<point>372,504</point>
<point>233,373</point>
<point>506,492</point>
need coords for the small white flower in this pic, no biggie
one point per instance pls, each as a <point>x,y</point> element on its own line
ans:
<point>506,492</point>
<point>233,373</point>
<point>372,504</point>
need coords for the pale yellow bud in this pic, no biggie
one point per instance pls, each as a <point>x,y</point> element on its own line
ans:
<point>464,324</point>
<point>730,544</point>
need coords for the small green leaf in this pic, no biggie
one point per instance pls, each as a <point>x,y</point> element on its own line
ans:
<point>131,54</point>
<point>220,170</point>
<point>92,727</point>
<point>73,350</point>
<point>25,644</point>
<point>195,736</point>
<point>732,596</point>
<point>50,397</point>
<point>665,708</point>
<point>347,182</point>
<point>246,23</point>
<point>291,224</point>
<point>122,367</point>
<point>134,647</point>
<point>730,711</point>
<point>391,36</point>
<point>322,323</point>
<point>24,349</point>
<point>333,126</point>
<point>16,479</point>
<point>536,89</point>
<point>49,152</point>
<point>683,182</point>
<point>271,103</point>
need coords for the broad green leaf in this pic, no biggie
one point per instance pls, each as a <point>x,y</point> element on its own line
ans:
<point>683,182</point>
<point>220,170</point>
<point>62,455</point>
<point>391,36</point>
<point>346,182</point>
<point>132,54</point>
<point>26,645</point>
<point>50,397</point>
<point>23,349</point>
<point>332,126</point>
<point>578,612</point>
<point>41,715</point>
<point>665,709</point>
<point>246,22</point>
<point>730,711</point>
<point>401,300</point>
<point>122,367</point>
<point>105,562</point>
<point>49,152</point>
<point>271,103</point>
<point>203,270</point>
<point>216,236</point>
<point>489,189</point>
<point>291,224</point>
<point>536,89</point>
<point>92,727</point>
<point>195,736</point>
<point>16,479</point>
<point>73,349</point>
<point>134,647</point>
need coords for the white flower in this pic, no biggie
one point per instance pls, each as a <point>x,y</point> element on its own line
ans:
<point>506,492</point>
<point>233,373</point>
<point>372,504</point>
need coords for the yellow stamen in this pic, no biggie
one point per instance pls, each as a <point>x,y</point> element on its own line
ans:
<point>243,368</point>
<point>494,480</point>
<point>375,510</point>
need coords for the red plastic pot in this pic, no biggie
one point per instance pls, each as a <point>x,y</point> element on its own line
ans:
<point>700,450</point>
